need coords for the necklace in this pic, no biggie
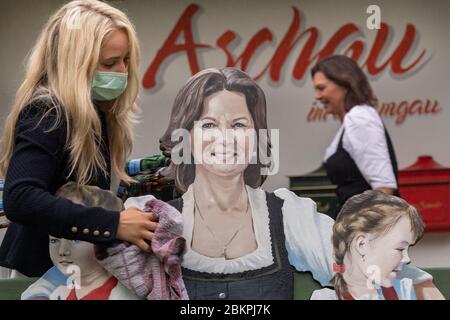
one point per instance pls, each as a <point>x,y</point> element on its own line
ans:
<point>224,246</point>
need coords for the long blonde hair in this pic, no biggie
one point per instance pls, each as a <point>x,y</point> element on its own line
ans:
<point>60,70</point>
<point>369,212</point>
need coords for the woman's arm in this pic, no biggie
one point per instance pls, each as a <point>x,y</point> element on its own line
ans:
<point>35,168</point>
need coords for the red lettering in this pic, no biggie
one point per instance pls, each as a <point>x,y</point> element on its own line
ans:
<point>305,59</point>
<point>399,54</point>
<point>287,44</point>
<point>170,47</point>
<point>340,35</point>
<point>386,108</point>
<point>403,49</point>
<point>356,49</point>
<point>264,35</point>
<point>413,105</point>
<point>405,109</point>
<point>394,108</point>
<point>307,56</point>
<point>435,108</point>
<point>427,107</point>
<point>402,112</point>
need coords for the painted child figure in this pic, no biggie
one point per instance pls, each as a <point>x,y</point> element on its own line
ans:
<point>76,274</point>
<point>371,238</point>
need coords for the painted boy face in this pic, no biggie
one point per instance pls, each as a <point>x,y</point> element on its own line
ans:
<point>389,251</point>
<point>222,143</point>
<point>65,253</point>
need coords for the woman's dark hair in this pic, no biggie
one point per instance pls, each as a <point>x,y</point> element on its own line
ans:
<point>188,108</point>
<point>346,73</point>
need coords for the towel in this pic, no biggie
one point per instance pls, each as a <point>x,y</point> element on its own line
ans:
<point>154,275</point>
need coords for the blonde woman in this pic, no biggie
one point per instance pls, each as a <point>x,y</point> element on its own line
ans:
<point>71,120</point>
<point>371,238</point>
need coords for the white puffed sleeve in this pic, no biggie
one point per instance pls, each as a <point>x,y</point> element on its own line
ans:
<point>308,236</point>
<point>365,141</point>
<point>405,289</point>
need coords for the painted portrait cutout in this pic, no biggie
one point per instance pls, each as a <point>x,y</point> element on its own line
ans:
<point>241,242</point>
<point>221,115</point>
<point>371,238</point>
<point>77,275</point>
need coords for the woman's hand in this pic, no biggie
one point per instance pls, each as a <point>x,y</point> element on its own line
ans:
<point>136,227</point>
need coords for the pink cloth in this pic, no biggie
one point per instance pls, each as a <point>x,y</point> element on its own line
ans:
<point>155,275</point>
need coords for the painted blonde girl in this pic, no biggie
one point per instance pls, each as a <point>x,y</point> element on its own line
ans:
<point>371,238</point>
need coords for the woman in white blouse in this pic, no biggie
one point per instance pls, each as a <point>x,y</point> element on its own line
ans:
<point>361,156</point>
<point>241,241</point>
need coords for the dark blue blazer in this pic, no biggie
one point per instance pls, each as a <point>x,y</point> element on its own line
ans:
<point>38,167</point>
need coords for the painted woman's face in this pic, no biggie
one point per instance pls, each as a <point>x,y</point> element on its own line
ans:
<point>223,137</point>
<point>65,253</point>
<point>389,251</point>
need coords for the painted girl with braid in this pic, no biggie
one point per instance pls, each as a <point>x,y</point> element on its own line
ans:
<point>371,238</point>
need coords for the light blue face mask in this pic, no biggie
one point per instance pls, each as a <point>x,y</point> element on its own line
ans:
<point>108,86</point>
